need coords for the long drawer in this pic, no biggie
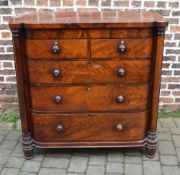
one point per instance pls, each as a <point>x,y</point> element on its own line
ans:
<point>89,98</point>
<point>92,127</point>
<point>66,72</point>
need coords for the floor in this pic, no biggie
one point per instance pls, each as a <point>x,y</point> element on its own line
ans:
<point>92,161</point>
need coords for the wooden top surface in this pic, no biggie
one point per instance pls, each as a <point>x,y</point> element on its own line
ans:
<point>103,19</point>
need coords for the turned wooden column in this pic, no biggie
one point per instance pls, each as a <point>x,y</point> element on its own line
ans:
<point>151,140</point>
<point>19,56</point>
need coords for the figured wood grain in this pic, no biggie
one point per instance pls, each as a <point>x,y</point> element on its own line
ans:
<point>23,95</point>
<point>156,77</point>
<point>84,72</point>
<point>20,77</point>
<point>88,33</point>
<point>42,49</point>
<point>91,144</point>
<point>89,98</point>
<point>92,127</point>
<point>88,112</point>
<point>105,19</point>
<point>108,48</point>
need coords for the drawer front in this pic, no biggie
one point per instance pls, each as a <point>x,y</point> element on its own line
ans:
<point>89,33</point>
<point>89,98</point>
<point>125,48</point>
<point>56,49</point>
<point>89,72</point>
<point>94,127</point>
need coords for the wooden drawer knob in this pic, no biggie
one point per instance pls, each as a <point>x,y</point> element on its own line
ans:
<point>55,47</point>
<point>120,99</point>
<point>56,73</point>
<point>59,128</point>
<point>121,72</point>
<point>58,99</point>
<point>119,127</point>
<point>122,47</point>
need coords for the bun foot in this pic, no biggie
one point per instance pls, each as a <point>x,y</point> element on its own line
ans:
<point>150,152</point>
<point>27,145</point>
<point>151,145</point>
<point>28,154</point>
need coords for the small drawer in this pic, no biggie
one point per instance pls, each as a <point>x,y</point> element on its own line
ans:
<point>89,98</point>
<point>92,127</point>
<point>56,49</point>
<point>66,72</point>
<point>121,48</point>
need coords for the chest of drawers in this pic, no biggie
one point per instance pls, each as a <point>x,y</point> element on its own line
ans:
<point>88,79</point>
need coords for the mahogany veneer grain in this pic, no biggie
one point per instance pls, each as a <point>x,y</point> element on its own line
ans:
<point>88,79</point>
<point>106,19</point>
<point>84,72</point>
<point>103,48</point>
<point>89,98</point>
<point>92,127</point>
<point>42,49</point>
<point>90,33</point>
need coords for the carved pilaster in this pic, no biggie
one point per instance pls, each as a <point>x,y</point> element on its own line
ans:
<point>151,144</point>
<point>15,33</point>
<point>161,31</point>
<point>27,145</point>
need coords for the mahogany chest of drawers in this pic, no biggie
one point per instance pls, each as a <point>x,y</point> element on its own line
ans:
<point>88,79</point>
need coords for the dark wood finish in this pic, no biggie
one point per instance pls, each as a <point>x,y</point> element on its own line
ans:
<point>106,19</point>
<point>121,144</point>
<point>156,75</point>
<point>88,33</point>
<point>109,48</point>
<point>67,72</point>
<point>27,145</point>
<point>20,64</point>
<point>92,127</point>
<point>151,144</point>
<point>43,49</point>
<point>88,79</point>
<point>90,98</point>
